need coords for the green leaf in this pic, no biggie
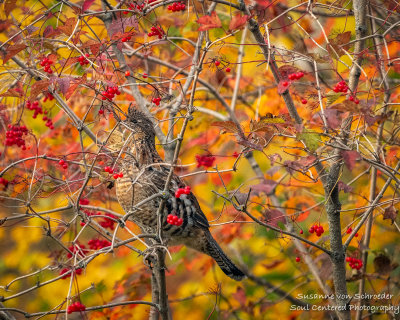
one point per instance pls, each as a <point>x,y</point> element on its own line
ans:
<point>311,139</point>
<point>331,97</point>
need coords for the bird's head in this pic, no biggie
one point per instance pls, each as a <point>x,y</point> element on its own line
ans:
<point>140,125</point>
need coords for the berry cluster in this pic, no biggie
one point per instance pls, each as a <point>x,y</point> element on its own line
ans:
<point>46,63</point>
<point>4,182</point>
<point>354,263</point>
<point>125,39</point>
<point>110,93</point>
<point>14,135</point>
<point>111,171</point>
<point>63,164</point>
<point>349,230</point>
<point>106,222</point>
<point>48,96</point>
<point>78,248</point>
<point>355,100</point>
<point>174,220</point>
<point>296,75</point>
<point>206,161</point>
<point>341,87</point>
<point>96,244</point>
<point>156,31</point>
<point>82,59</point>
<point>319,230</point>
<point>156,101</point>
<point>139,7</point>
<point>177,6</point>
<point>38,110</point>
<point>66,276</point>
<point>181,191</point>
<point>75,307</point>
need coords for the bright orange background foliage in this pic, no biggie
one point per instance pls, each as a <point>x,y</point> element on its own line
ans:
<point>192,278</point>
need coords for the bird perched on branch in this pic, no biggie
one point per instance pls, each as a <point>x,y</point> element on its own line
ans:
<point>144,174</point>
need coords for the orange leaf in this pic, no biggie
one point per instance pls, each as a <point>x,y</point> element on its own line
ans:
<point>238,21</point>
<point>68,26</point>
<point>209,22</point>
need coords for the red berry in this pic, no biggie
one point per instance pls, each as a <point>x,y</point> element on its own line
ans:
<point>228,69</point>
<point>356,235</point>
<point>145,75</point>
<point>61,162</point>
<point>285,83</point>
<point>311,230</point>
<point>356,101</point>
<point>351,98</point>
<point>217,63</point>
<point>116,176</point>
<point>297,259</point>
<point>349,230</point>
<point>303,101</point>
<point>65,166</point>
<point>101,111</point>
<point>120,174</point>
<point>301,231</point>
<point>124,39</point>
<point>127,73</point>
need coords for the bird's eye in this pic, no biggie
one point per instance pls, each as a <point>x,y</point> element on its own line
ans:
<point>134,121</point>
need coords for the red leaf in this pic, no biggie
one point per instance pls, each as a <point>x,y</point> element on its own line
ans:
<point>274,216</point>
<point>344,187</point>
<point>240,296</point>
<point>38,87</point>
<point>209,22</point>
<point>13,50</point>
<point>120,24</point>
<point>86,5</point>
<point>267,186</point>
<point>350,158</point>
<point>9,5</point>
<point>64,84</point>
<point>238,21</point>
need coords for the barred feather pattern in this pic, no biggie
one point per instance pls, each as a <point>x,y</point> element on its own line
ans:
<point>145,175</point>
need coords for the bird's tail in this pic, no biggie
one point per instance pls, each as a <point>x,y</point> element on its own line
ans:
<point>227,266</point>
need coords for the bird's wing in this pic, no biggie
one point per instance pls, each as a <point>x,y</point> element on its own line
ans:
<point>187,206</point>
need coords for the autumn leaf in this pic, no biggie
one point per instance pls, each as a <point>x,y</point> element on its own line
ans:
<point>228,126</point>
<point>12,93</point>
<point>349,158</point>
<point>238,21</point>
<point>274,217</point>
<point>86,5</point>
<point>38,87</point>
<point>209,22</point>
<point>390,213</point>
<point>68,27</point>
<point>13,50</point>
<point>9,5</point>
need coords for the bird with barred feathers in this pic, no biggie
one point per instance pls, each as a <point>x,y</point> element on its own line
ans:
<point>144,175</point>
